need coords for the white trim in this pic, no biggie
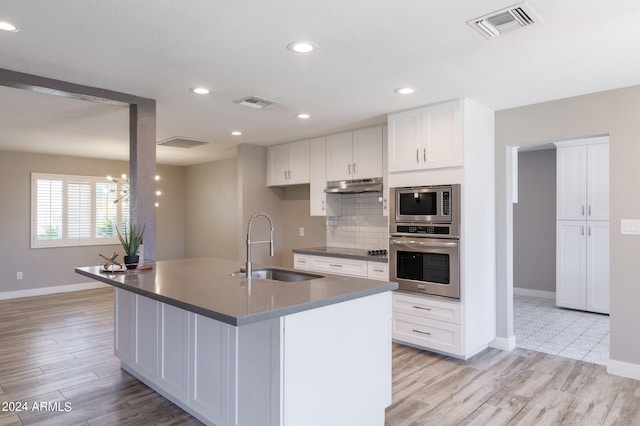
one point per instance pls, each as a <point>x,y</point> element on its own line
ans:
<point>6,295</point>
<point>624,369</point>
<point>504,343</point>
<point>534,293</point>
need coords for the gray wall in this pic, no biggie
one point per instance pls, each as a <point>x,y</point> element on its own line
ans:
<point>46,267</point>
<point>211,206</point>
<point>612,112</point>
<point>295,215</point>
<point>534,222</point>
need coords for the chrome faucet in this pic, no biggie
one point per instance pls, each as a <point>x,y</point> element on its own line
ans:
<point>248,269</point>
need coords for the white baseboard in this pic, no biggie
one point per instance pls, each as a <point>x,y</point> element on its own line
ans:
<point>5,295</point>
<point>623,369</point>
<point>504,343</point>
<point>534,293</point>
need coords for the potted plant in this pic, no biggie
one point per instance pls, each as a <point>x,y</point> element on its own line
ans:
<point>130,243</point>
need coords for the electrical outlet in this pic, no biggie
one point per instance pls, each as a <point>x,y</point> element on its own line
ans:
<point>301,231</point>
<point>18,275</point>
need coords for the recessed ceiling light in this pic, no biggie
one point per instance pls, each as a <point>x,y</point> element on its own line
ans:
<point>303,116</point>
<point>301,46</point>
<point>236,133</point>
<point>200,90</point>
<point>405,90</point>
<point>8,26</point>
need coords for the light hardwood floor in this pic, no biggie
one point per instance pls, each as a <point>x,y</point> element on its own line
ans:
<point>58,349</point>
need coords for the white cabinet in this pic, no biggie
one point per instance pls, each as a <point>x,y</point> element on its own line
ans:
<point>173,342</point>
<point>321,203</point>
<point>583,182</point>
<point>426,138</point>
<point>301,261</point>
<point>124,304</point>
<point>340,266</point>
<point>145,353</point>
<point>428,323</point>
<point>208,368</point>
<point>355,155</point>
<point>582,228</point>
<point>288,164</point>
<point>378,271</point>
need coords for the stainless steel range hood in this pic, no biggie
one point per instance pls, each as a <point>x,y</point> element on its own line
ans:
<point>354,186</point>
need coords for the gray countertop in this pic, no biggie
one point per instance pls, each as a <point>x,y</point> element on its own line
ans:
<point>204,286</point>
<point>348,253</point>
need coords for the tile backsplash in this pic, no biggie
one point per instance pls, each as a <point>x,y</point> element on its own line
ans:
<point>361,225</point>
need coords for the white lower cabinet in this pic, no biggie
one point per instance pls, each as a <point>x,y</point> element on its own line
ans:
<point>428,323</point>
<point>582,265</point>
<point>145,342</point>
<point>173,356</point>
<point>209,381</point>
<point>378,271</point>
<point>257,374</point>
<point>301,261</point>
<point>342,266</point>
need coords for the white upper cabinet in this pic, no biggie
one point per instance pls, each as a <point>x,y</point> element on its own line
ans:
<point>426,138</point>
<point>288,164</point>
<point>355,155</point>
<point>321,203</point>
<point>583,182</point>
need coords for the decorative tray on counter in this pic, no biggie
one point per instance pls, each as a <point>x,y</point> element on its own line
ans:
<point>118,268</point>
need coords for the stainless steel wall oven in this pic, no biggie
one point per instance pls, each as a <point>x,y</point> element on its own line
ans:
<point>424,239</point>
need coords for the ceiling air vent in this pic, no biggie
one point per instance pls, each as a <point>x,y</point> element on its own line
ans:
<point>179,142</point>
<point>511,18</point>
<point>255,102</point>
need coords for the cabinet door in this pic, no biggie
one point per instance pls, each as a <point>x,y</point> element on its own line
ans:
<point>173,371</point>
<point>367,153</point>
<point>598,182</point>
<point>277,165</point>
<point>124,302</point>
<point>598,266</point>
<point>298,163</point>
<point>321,203</point>
<point>404,133</point>
<point>209,369</point>
<point>571,264</point>
<point>571,175</point>
<point>145,360</point>
<point>442,135</point>
<point>339,156</point>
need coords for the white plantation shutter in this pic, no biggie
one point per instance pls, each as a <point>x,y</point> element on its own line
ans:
<point>106,209</point>
<point>48,200</point>
<point>79,210</point>
<point>75,210</point>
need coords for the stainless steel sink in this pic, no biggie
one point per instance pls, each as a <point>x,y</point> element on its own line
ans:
<point>278,275</point>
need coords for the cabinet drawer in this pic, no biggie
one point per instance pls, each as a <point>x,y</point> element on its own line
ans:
<point>429,334</point>
<point>301,261</point>
<point>378,271</point>
<point>334,265</point>
<point>424,307</point>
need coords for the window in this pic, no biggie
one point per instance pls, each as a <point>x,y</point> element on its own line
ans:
<point>76,210</point>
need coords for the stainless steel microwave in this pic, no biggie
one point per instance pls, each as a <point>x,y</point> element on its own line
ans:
<point>425,204</point>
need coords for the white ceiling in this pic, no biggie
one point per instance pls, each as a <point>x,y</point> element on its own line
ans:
<point>367,48</point>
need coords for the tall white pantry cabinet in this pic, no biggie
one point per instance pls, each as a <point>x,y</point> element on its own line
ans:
<point>582,226</point>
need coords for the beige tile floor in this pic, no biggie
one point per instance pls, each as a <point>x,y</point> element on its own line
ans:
<point>541,326</point>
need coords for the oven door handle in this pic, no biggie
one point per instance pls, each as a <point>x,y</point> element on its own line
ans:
<point>443,244</point>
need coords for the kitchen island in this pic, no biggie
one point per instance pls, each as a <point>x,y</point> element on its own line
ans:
<point>238,351</point>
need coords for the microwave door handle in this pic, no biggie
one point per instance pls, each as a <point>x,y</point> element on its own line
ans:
<point>444,244</point>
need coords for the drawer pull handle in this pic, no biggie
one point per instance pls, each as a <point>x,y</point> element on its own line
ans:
<point>420,307</point>
<point>302,261</point>
<point>335,266</point>
<point>377,270</point>
<point>421,332</point>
